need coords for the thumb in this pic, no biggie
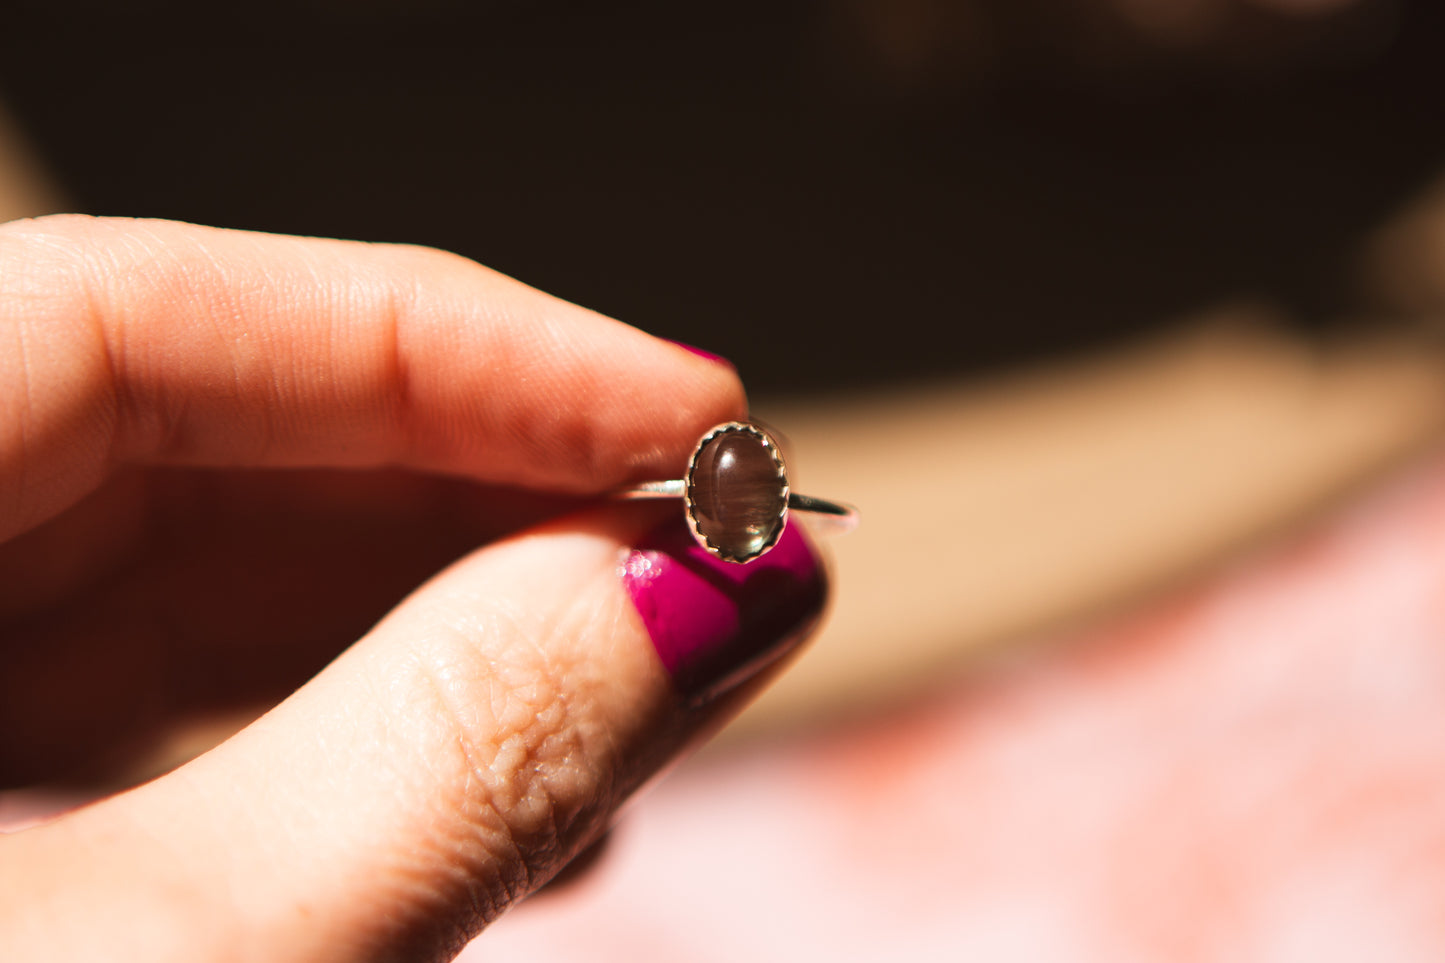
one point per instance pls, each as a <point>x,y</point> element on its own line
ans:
<point>442,768</point>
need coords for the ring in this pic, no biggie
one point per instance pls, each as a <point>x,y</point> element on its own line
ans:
<point>736,494</point>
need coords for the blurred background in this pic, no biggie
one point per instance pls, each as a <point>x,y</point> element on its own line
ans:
<point>1119,319</point>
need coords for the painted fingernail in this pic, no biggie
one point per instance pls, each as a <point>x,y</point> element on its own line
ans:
<point>715,623</point>
<point>701,353</point>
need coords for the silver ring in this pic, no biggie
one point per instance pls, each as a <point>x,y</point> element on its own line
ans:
<point>736,494</point>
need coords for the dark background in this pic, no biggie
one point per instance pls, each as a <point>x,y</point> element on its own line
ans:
<point>830,194</point>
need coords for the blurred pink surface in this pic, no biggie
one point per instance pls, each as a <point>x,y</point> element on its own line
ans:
<point>1253,769</point>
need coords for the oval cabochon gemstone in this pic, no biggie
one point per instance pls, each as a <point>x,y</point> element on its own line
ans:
<point>737,495</point>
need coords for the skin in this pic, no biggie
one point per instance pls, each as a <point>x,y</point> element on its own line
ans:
<point>437,770</point>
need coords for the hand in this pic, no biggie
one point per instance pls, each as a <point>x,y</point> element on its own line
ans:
<point>471,743</point>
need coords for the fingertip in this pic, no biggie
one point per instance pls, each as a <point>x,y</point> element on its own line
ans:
<point>228,348</point>
<point>716,624</point>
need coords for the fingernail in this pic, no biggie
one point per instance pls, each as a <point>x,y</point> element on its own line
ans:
<point>714,623</point>
<point>701,353</point>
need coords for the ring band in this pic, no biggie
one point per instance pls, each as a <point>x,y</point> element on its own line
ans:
<point>845,515</point>
<point>736,494</point>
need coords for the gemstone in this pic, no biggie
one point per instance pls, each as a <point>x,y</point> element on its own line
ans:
<point>737,493</point>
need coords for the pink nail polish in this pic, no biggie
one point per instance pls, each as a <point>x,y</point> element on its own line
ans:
<point>715,623</point>
<point>701,353</point>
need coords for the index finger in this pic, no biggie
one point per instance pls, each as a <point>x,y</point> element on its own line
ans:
<point>127,341</point>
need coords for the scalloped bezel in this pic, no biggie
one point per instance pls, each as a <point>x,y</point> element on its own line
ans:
<point>769,445</point>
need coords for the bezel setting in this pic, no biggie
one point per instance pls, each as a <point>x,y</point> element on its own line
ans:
<point>771,447</point>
